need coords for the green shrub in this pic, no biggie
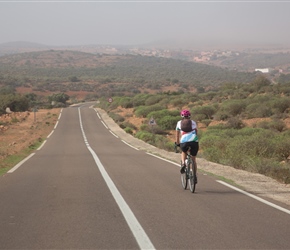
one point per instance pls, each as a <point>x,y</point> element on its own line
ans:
<point>128,130</point>
<point>281,104</point>
<point>206,122</point>
<point>207,111</point>
<point>145,136</point>
<point>255,110</point>
<point>156,140</point>
<point>154,99</point>
<point>126,102</point>
<point>128,125</point>
<point>116,117</point>
<point>233,107</point>
<point>277,125</point>
<point>168,122</point>
<point>143,111</point>
<point>14,120</point>
<point>252,149</point>
<point>235,122</point>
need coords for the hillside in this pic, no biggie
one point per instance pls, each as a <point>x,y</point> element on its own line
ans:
<point>54,70</point>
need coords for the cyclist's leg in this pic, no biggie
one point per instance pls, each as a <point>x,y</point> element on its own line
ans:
<point>193,152</point>
<point>194,163</point>
<point>184,148</point>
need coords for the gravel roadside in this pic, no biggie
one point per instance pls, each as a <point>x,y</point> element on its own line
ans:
<point>251,182</point>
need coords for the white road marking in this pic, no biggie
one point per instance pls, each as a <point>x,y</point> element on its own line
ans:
<point>55,125</point>
<point>163,159</point>
<point>60,114</point>
<point>137,230</point>
<point>114,134</point>
<point>20,163</point>
<point>256,197</point>
<point>50,133</point>
<point>105,125</point>
<point>98,114</point>
<point>129,145</point>
<point>42,145</point>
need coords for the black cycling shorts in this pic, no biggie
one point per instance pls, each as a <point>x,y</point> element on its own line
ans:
<point>193,147</point>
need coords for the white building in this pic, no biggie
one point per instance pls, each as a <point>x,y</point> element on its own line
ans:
<point>266,70</point>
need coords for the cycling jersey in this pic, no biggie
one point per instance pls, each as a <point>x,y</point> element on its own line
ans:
<point>187,136</point>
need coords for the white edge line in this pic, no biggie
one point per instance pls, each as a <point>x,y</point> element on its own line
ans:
<point>55,125</point>
<point>129,145</point>
<point>114,134</point>
<point>60,114</point>
<point>20,163</point>
<point>256,197</point>
<point>136,228</point>
<point>98,114</point>
<point>50,133</point>
<point>42,144</point>
<point>105,125</point>
<point>163,159</point>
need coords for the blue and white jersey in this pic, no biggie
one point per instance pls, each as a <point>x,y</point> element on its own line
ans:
<point>187,136</point>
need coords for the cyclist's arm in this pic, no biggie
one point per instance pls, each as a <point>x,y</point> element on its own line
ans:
<point>177,136</point>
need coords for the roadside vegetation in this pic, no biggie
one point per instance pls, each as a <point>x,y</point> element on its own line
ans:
<point>245,126</point>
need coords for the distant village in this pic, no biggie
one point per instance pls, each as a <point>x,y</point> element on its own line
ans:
<point>210,57</point>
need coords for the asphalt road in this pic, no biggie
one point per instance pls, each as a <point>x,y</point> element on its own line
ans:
<point>85,188</point>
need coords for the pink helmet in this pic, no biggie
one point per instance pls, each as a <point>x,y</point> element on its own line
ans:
<point>185,113</point>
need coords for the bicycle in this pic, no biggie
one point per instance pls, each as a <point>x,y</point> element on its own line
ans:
<point>189,174</point>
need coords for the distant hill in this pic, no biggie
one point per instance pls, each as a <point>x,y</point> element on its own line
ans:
<point>20,47</point>
<point>256,60</point>
<point>22,44</point>
<point>55,70</point>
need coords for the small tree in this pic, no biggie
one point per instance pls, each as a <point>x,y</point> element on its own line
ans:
<point>60,97</point>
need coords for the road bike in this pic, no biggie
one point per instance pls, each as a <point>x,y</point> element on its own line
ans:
<point>189,175</point>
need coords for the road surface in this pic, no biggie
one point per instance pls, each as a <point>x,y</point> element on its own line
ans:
<point>85,188</point>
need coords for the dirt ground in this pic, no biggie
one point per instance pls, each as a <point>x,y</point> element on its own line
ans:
<point>21,130</point>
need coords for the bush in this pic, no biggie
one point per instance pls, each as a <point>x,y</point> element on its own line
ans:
<point>16,103</point>
<point>156,140</point>
<point>281,104</point>
<point>126,102</point>
<point>116,117</point>
<point>168,122</point>
<point>154,99</point>
<point>128,130</point>
<point>207,111</point>
<point>143,111</point>
<point>257,110</point>
<point>128,125</point>
<point>233,107</point>
<point>252,149</point>
<point>235,122</point>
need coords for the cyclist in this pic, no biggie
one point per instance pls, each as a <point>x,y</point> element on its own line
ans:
<point>187,138</point>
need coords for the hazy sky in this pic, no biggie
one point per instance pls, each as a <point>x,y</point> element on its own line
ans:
<point>141,22</point>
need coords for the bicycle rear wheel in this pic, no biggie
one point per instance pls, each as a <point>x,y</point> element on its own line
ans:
<point>184,179</point>
<point>191,181</point>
